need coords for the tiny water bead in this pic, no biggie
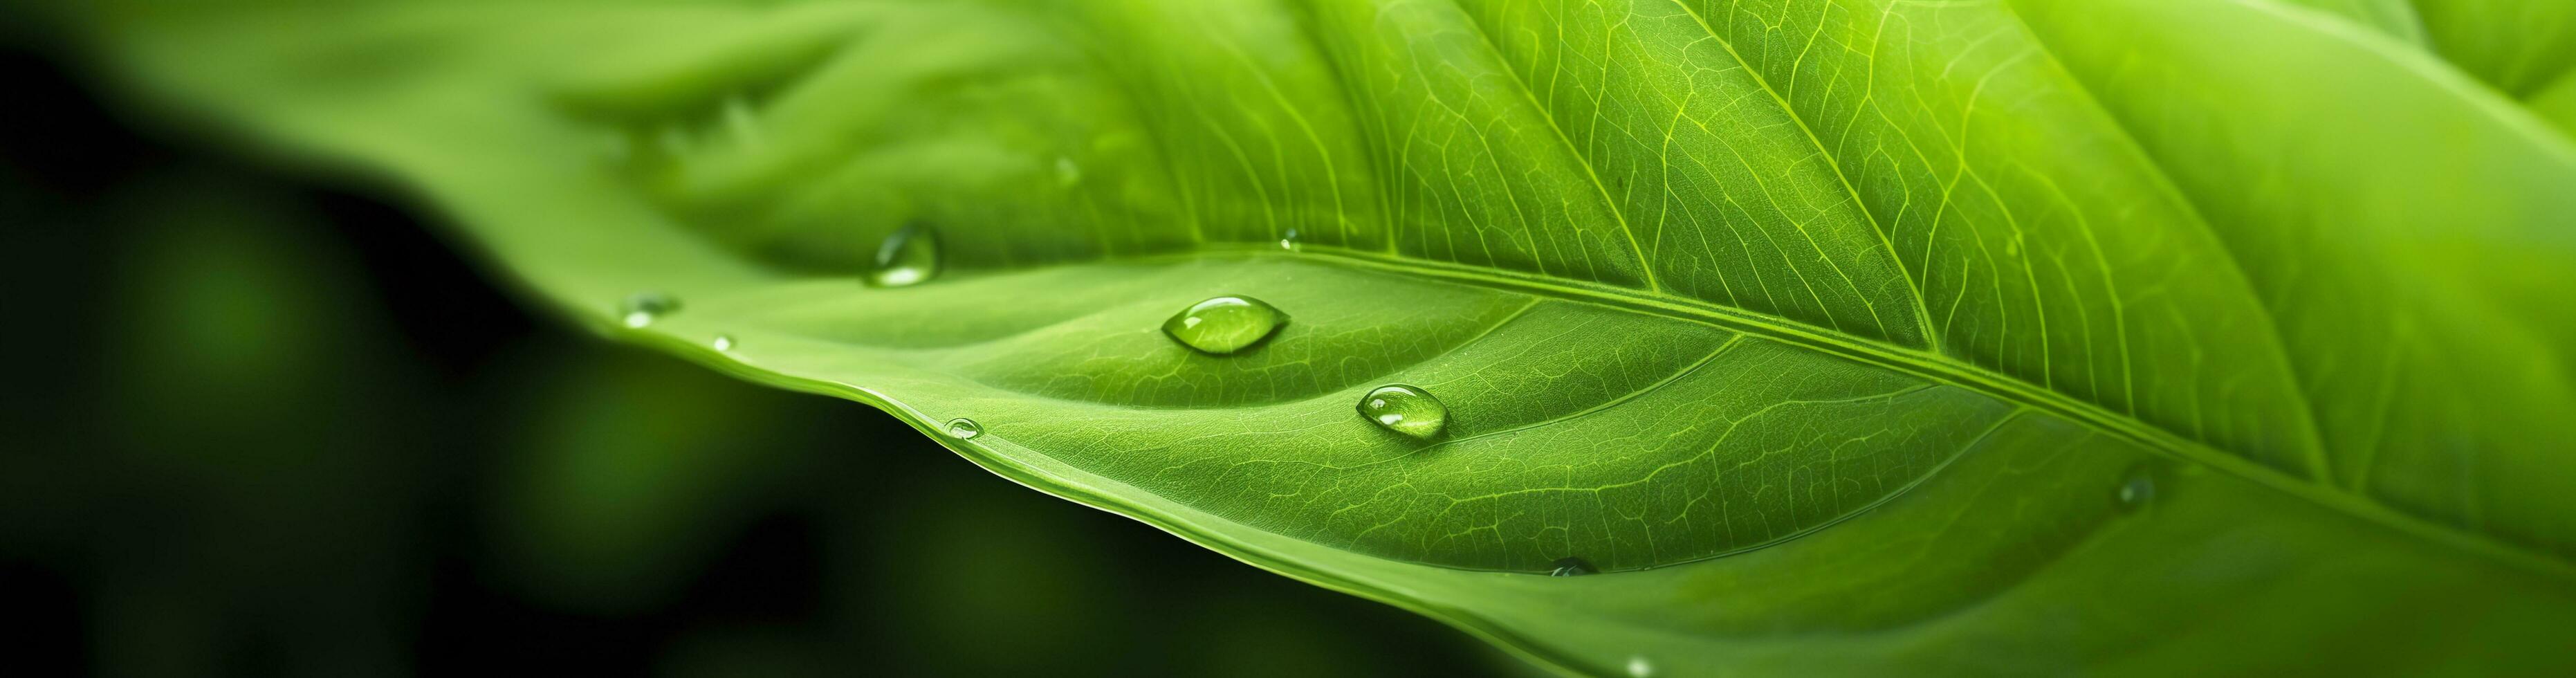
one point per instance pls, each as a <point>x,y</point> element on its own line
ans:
<point>1226,324</point>
<point>1405,409</point>
<point>642,308</point>
<point>1638,667</point>
<point>2137,489</point>
<point>1288,241</point>
<point>963,428</point>
<point>723,342</point>
<point>909,256</point>
<point>1573,567</point>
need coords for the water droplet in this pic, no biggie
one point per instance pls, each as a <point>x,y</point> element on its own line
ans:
<point>2137,489</point>
<point>723,342</point>
<point>909,256</point>
<point>1066,172</point>
<point>1573,567</point>
<point>963,428</point>
<point>1638,667</point>
<point>1405,409</point>
<point>642,308</point>
<point>1222,325</point>
<point>1288,241</point>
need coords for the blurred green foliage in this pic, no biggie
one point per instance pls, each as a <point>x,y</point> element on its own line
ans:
<point>268,428</point>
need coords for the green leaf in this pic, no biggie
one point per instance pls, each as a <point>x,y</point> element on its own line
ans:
<point>1865,336</point>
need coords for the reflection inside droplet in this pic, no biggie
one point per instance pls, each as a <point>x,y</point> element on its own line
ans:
<point>1405,409</point>
<point>909,256</point>
<point>642,308</point>
<point>1225,324</point>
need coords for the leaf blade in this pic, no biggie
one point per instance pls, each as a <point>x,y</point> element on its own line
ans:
<point>605,232</point>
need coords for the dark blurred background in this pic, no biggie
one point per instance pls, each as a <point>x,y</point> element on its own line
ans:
<point>260,424</point>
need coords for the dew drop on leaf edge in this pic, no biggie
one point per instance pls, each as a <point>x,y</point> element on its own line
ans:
<point>1573,567</point>
<point>1224,324</point>
<point>908,256</point>
<point>723,342</point>
<point>1405,409</point>
<point>963,428</point>
<point>1638,667</point>
<point>642,308</point>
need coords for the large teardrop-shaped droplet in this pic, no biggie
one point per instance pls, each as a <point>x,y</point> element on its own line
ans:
<point>963,428</point>
<point>909,256</point>
<point>642,308</point>
<point>1222,325</point>
<point>1405,409</point>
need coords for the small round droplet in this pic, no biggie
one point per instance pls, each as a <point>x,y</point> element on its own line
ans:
<point>1573,567</point>
<point>2137,489</point>
<point>1405,409</point>
<point>963,428</point>
<point>642,308</point>
<point>723,342</point>
<point>909,256</point>
<point>1226,324</point>
<point>1638,667</point>
<point>1288,241</point>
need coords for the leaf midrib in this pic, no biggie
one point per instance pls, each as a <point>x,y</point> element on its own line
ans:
<point>1923,363</point>
<point>1932,367</point>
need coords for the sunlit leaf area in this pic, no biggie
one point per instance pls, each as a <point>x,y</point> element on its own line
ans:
<point>1295,337</point>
